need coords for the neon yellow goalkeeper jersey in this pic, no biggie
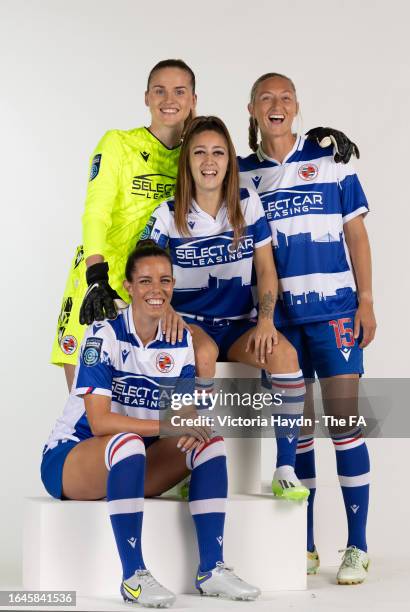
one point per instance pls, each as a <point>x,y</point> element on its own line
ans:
<point>131,173</point>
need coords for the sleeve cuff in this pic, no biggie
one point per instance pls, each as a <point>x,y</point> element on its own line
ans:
<point>94,390</point>
<point>363,210</point>
<point>262,243</point>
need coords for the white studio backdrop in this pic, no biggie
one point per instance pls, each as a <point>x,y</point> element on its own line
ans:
<point>70,71</point>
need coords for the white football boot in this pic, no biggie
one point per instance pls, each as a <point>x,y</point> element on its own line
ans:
<point>313,562</point>
<point>222,582</point>
<point>286,485</point>
<point>143,589</point>
<point>354,567</point>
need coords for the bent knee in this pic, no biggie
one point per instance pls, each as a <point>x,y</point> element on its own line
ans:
<point>283,359</point>
<point>121,446</point>
<point>205,358</point>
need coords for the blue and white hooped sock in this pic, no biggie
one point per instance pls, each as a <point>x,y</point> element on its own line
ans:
<point>306,472</point>
<point>292,389</point>
<point>208,491</point>
<point>353,468</point>
<point>125,460</point>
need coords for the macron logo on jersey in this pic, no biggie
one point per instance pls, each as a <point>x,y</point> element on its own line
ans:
<point>281,203</point>
<point>256,181</point>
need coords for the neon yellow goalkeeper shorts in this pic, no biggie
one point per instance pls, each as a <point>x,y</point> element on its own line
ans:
<point>70,333</point>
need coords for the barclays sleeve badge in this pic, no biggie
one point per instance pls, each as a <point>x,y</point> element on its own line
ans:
<point>92,351</point>
<point>95,166</point>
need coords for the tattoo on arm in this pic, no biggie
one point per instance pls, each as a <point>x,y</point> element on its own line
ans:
<point>266,305</point>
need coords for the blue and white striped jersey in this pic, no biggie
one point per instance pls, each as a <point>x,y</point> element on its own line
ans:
<point>139,379</point>
<point>213,277</point>
<point>307,200</point>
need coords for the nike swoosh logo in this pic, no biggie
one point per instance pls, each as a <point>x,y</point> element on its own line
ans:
<point>199,578</point>
<point>134,592</point>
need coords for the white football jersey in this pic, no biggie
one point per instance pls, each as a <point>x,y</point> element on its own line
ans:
<point>307,200</point>
<point>213,277</point>
<point>140,380</point>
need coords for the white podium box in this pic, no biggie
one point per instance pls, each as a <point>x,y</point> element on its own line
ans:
<point>69,545</point>
<point>243,454</point>
<point>243,461</point>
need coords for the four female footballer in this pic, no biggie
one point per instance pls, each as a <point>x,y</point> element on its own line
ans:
<point>315,209</point>
<point>215,233</point>
<point>111,448</point>
<point>131,172</point>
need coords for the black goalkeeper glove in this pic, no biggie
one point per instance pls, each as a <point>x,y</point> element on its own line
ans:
<point>99,301</point>
<point>324,137</point>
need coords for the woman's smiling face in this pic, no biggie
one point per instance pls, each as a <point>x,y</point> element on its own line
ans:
<point>275,106</point>
<point>151,286</point>
<point>170,97</point>
<point>208,160</point>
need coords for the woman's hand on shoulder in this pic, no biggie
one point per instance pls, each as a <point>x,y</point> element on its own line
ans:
<point>173,326</point>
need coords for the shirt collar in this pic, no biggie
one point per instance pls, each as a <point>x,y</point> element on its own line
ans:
<point>299,142</point>
<point>198,210</point>
<point>132,330</point>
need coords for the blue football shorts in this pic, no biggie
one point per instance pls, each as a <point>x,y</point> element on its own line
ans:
<point>52,465</point>
<point>326,348</point>
<point>224,333</point>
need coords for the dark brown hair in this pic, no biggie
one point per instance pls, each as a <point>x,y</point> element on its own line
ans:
<point>144,248</point>
<point>253,124</point>
<point>185,186</point>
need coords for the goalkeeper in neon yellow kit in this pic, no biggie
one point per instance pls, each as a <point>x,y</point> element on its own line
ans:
<point>131,172</point>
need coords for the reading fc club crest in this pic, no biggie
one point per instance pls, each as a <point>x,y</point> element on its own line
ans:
<point>308,172</point>
<point>68,345</point>
<point>165,362</point>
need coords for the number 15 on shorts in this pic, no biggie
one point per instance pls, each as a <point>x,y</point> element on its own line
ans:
<point>343,334</point>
